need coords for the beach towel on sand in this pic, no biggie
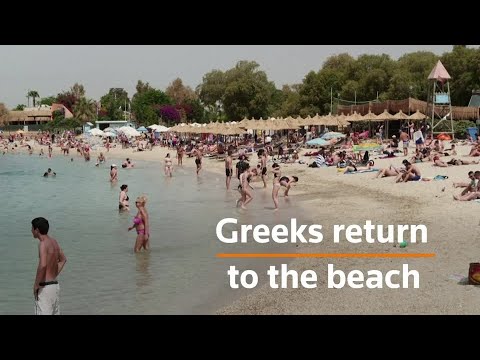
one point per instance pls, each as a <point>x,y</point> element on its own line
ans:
<point>361,171</point>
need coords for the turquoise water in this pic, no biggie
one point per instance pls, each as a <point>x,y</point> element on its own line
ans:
<point>180,275</point>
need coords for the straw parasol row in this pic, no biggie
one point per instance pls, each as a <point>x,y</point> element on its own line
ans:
<point>238,128</point>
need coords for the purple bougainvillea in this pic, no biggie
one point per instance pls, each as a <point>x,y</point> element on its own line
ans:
<point>169,113</point>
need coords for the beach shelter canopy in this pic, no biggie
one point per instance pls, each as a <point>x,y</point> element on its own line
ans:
<point>142,129</point>
<point>385,116</point>
<point>95,132</point>
<point>370,117</point>
<point>417,116</point>
<point>355,117</point>
<point>400,116</point>
<point>110,134</point>
<point>161,129</point>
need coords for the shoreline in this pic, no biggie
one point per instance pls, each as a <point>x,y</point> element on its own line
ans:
<point>330,197</point>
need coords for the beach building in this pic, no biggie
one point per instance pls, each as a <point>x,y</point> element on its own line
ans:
<point>37,115</point>
<point>103,124</point>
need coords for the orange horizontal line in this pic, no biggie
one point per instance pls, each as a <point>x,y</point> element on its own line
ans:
<point>367,255</point>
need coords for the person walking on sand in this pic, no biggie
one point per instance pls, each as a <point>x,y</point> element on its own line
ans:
<point>141,225</point>
<point>406,141</point>
<point>228,168</point>
<point>46,289</point>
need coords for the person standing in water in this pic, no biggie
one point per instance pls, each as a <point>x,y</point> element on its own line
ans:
<point>46,289</point>
<point>228,168</point>
<point>276,183</point>
<point>141,225</point>
<point>168,165</point>
<point>245,188</point>
<point>198,158</point>
<point>180,152</point>
<point>123,204</point>
<point>113,173</point>
<point>263,164</point>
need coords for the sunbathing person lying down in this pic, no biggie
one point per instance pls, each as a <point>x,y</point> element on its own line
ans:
<point>389,171</point>
<point>353,168</point>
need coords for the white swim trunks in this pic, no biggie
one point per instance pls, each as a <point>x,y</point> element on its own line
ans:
<point>48,300</point>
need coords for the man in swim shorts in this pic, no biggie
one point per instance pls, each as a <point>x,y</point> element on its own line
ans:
<point>198,158</point>
<point>228,168</point>
<point>412,173</point>
<point>405,140</point>
<point>46,289</point>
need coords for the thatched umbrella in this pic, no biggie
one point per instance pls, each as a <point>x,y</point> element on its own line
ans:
<point>232,130</point>
<point>386,116</point>
<point>370,117</point>
<point>400,116</point>
<point>317,120</point>
<point>342,120</point>
<point>417,116</point>
<point>355,117</point>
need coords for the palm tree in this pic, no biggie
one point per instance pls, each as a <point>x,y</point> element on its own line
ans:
<point>33,94</point>
<point>4,114</point>
<point>84,110</point>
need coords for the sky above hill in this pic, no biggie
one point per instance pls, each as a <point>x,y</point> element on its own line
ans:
<point>49,69</point>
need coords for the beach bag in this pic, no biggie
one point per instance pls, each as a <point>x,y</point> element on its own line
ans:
<point>342,165</point>
<point>474,274</point>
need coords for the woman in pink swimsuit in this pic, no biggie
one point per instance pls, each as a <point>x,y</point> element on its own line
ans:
<point>141,224</point>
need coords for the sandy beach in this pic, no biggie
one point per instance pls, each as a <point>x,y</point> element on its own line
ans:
<point>330,197</point>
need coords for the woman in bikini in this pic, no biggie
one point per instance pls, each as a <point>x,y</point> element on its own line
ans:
<point>113,173</point>
<point>246,192</point>
<point>141,225</point>
<point>276,183</point>
<point>288,182</point>
<point>168,165</point>
<point>123,199</point>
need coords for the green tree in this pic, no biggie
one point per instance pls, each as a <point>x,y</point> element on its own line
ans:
<point>211,92</point>
<point>114,103</point>
<point>19,107</point>
<point>84,110</point>
<point>463,65</point>
<point>410,78</point>
<point>145,101</point>
<point>290,102</point>
<point>78,91</point>
<point>312,95</point>
<point>248,92</point>
<point>142,87</point>
<point>4,115</point>
<point>48,100</point>
<point>33,94</point>
<point>197,113</point>
<point>180,93</point>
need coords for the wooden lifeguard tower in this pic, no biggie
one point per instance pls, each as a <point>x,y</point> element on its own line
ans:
<point>439,100</point>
